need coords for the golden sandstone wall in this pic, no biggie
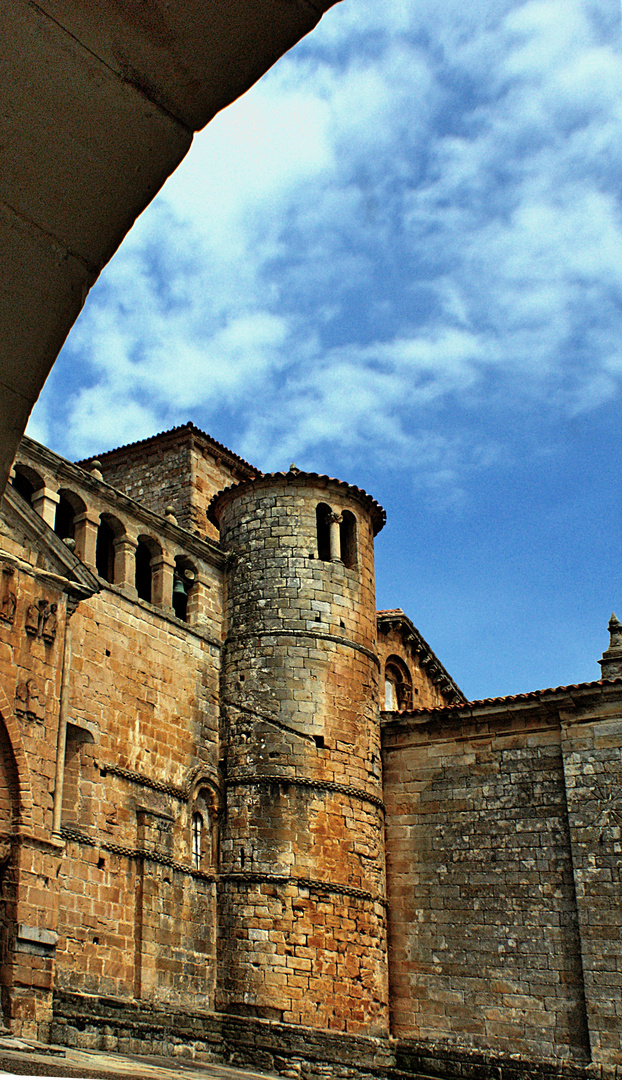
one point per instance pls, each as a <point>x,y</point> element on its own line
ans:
<point>207,822</point>
<point>182,469</point>
<point>137,917</point>
<point>130,901</point>
<point>33,615</point>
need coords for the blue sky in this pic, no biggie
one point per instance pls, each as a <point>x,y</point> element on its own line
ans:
<point>398,259</point>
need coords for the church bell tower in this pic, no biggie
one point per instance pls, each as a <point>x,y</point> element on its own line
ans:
<point>302,926</point>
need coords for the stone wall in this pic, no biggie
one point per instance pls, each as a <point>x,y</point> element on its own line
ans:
<point>503,839</point>
<point>182,468</point>
<point>593,775</point>
<point>30,684</point>
<point>137,917</point>
<point>107,889</point>
<point>287,1050</point>
<point>302,922</point>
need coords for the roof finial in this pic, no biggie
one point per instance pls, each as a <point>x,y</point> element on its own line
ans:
<point>611,662</point>
<point>293,469</point>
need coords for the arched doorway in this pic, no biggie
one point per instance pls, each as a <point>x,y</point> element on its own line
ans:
<point>9,816</point>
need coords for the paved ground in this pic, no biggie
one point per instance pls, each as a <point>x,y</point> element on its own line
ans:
<point>19,1057</point>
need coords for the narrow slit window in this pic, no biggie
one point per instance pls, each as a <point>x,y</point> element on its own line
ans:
<point>322,514</point>
<point>197,840</point>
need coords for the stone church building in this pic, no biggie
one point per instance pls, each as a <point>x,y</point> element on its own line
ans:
<point>245,816</point>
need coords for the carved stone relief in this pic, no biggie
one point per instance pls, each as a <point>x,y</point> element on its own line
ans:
<point>8,599</point>
<point>41,620</point>
<point>30,700</point>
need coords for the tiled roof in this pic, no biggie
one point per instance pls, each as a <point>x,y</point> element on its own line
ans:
<point>378,514</point>
<point>396,615</point>
<point>171,431</point>
<point>510,699</point>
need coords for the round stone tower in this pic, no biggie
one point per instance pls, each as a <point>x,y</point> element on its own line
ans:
<point>302,928</point>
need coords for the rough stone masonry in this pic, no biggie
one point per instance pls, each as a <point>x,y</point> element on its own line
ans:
<point>244,817</point>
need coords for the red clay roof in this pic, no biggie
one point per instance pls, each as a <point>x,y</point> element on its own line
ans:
<point>377,512</point>
<point>189,427</point>
<point>532,695</point>
<point>396,615</point>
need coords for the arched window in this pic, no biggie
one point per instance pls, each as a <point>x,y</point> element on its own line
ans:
<point>68,507</point>
<point>197,840</point>
<point>26,481</point>
<point>146,549</point>
<point>204,828</point>
<point>184,581</point>
<point>108,530</point>
<point>347,532</point>
<point>398,689</point>
<point>76,807</point>
<point>322,515</point>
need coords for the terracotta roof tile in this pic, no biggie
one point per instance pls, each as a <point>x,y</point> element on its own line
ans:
<point>171,431</point>
<point>378,514</point>
<point>532,695</point>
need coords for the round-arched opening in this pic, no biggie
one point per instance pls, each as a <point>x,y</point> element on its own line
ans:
<point>26,481</point>
<point>322,517</point>
<point>184,582</point>
<point>68,507</point>
<point>109,529</point>
<point>146,550</point>
<point>198,830</point>
<point>204,828</point>
<point>398,688</point>
<point>347,535</point>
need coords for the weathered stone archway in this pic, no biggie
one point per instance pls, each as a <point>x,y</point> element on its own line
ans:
<point>99,103</point>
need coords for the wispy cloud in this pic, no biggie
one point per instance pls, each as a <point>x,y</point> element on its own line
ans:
<point>412,221</point>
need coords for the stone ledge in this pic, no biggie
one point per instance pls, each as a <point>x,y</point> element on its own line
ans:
<point>136,1027</point>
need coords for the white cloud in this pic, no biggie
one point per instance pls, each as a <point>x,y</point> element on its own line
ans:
<point>418,204</point>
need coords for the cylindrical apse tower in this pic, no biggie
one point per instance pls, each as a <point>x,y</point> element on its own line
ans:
<point>302,928</point>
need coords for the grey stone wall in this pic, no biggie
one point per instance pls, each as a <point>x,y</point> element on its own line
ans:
<point>302,916</point>
<point>483,920</point>
<point>504,836</point>
<point>593,773</point>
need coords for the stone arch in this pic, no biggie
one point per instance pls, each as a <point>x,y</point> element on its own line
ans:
<point>24,801</point>
<point>148,551</point>
<point>348,538</point>
<point>26,480</point>
<point>69,506</point>
<point>205,804</point>
<point>110,529</point>
<point>398,685</point>
<point>185,581</point>
<point>322,517</point>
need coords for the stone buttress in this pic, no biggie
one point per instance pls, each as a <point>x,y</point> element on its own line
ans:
<point>302,928</point>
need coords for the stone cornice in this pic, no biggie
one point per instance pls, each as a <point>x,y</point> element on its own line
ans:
<point>204,549</point>
<point>579,703</point>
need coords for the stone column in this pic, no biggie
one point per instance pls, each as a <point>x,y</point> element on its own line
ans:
<point>86,537</point>
<point>334,521</point>
<point>162,582</point>
<point>125,563</point>
<point>45,501</point>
